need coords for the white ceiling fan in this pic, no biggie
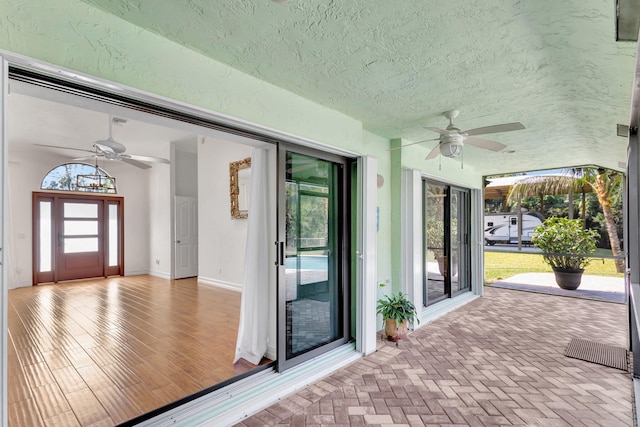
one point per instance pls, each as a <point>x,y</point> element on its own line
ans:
<point>113,150</point>
<point>453,139</point>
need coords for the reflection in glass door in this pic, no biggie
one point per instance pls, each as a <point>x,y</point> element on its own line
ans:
<point>446,242</point>
<point>436,259</point>
<point>459,226</point>
<point>312,280</point>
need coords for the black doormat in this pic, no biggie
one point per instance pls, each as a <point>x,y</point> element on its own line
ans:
<point>602,354</point>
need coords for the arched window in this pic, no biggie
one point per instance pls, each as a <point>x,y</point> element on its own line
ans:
<point>79,177</point>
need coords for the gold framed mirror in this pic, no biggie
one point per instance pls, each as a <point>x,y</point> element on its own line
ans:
<point>239,176</point>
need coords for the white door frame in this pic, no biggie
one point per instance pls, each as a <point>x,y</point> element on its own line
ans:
<point>366,255</point>
<point>4,167</point>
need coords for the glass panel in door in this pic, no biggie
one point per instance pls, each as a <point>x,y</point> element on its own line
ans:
<point>460,250</point>
<point>313,308</point>
<point>45,252</point>
<point>455,239</point>
<point>435,243</point>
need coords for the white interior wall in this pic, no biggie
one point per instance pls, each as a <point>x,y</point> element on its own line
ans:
<point>186,165</point>
<point>221,239</point>
<point>132,185</point>
<point>159,217</point>
<point>25,176</point>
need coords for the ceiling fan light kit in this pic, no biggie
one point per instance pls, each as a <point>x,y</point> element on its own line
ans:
<point>452,139</point>
<point>451,145</point>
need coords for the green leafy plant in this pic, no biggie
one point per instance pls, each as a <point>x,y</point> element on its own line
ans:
<point>565,243</point>
<point>397,307</point>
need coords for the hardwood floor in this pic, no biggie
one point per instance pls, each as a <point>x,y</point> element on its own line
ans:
<point>100,352</point>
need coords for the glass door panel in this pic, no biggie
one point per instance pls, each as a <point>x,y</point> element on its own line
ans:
<point>312,312</point>
<point>114,233</point>
<point>455,235</point>
<point>460,249</point>
<point>435,263</point>
<point>45,253</point>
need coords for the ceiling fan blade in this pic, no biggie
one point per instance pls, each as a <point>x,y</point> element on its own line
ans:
<point>134,162</point>
<point>64,148</point>
<point>147,158</point>
<point>433,153</point>
<point>413,143</point>
<point>438,130</point>
<point>484,143</point>
<point>506,127</point>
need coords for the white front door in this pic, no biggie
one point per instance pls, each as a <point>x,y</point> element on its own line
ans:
<point>186,250</point>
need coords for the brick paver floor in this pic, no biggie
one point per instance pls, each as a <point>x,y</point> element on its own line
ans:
<point>496,361</point>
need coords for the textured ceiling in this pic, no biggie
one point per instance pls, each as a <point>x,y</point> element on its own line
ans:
<point>396,66</point>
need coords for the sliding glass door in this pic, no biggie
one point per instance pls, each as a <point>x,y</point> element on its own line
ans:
<point>446,241</point>
<point>312,260</point>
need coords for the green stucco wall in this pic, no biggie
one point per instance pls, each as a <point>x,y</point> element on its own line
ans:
<point>77,36</point>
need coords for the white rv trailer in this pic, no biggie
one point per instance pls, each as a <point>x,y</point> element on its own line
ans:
<point>503,227</point>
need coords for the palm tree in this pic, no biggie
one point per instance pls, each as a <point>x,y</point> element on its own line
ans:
<point>602,182</point>
<point>605,183</point>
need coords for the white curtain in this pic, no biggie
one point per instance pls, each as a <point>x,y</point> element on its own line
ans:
<point>254,308</point>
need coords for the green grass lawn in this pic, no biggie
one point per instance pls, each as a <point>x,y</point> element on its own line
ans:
<point>501,265</point>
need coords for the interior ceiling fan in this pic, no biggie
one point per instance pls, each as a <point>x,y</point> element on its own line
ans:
<point>453,139</point>
<point>113,150</point>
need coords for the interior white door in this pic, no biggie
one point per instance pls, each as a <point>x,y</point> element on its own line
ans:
<point>186,244</point>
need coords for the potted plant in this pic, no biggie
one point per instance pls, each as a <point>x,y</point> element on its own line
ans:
<point>397,311</point>
<point>566,246</point>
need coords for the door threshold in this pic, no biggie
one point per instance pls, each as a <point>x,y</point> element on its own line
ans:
<point>232,404</point>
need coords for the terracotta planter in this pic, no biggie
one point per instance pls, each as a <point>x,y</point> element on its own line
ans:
<point>393,332</point>
<point>568,279</point>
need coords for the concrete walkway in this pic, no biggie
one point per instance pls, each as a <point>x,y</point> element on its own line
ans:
<point>496,361</point>
<point>600,288</point>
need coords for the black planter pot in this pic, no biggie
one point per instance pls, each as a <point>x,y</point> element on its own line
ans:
<point>568,279</point>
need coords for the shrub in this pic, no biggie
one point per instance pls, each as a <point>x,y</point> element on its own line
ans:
<point>565,244</point>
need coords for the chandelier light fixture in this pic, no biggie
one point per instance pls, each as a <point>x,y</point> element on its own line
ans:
<point>98,181</point>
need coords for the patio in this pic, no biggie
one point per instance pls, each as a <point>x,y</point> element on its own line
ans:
<point>599,288</point>
<point>497,360</point>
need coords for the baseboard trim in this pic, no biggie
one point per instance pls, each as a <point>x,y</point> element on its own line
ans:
<point>220,284</point>
<point>159,274</point>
